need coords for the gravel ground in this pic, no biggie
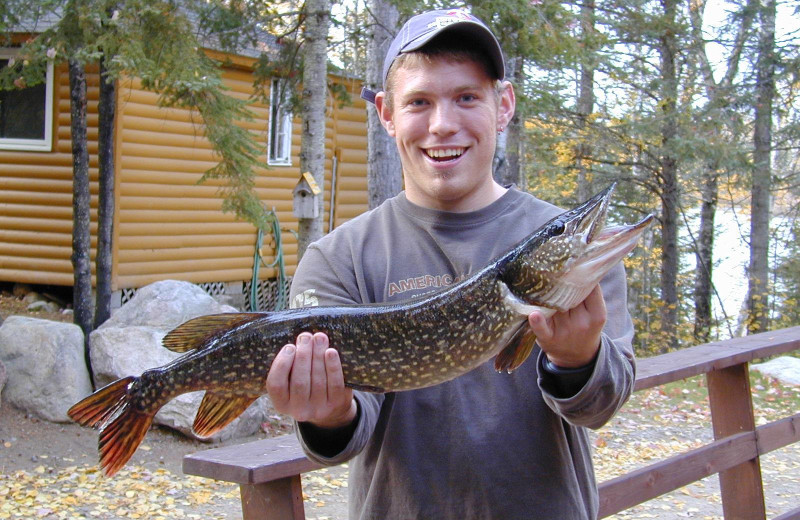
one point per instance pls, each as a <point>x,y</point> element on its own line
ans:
<point>49,470</point>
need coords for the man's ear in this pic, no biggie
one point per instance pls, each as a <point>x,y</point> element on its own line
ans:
<point>507,105</point>
<point>384,112</point>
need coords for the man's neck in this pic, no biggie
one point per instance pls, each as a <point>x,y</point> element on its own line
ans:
<point>473,202</point>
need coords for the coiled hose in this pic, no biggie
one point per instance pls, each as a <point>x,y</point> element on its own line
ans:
<point>280,301</point>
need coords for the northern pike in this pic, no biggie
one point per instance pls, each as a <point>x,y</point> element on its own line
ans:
<point>383,347</point>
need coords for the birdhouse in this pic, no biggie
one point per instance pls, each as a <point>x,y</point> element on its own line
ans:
<point>305,195</point>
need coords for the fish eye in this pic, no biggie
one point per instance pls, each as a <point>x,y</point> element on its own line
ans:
<point>558,227</point>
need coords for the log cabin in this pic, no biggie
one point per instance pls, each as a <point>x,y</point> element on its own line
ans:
<point>166,225</point>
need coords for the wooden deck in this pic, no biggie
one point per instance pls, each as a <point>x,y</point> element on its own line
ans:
<point>268,471</point>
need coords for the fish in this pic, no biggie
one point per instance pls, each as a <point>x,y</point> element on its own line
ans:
<point>383,347</point>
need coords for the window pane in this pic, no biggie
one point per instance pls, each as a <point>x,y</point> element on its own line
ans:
<point>280,138</point>
<point>22,112</point>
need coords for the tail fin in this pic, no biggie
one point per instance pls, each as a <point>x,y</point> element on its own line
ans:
<point>122,427</point>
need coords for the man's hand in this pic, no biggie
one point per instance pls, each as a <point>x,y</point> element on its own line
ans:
<point>571,339</point>
<point>306,382</point>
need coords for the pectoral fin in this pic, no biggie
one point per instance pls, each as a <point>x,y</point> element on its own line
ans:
<point>517,350</point>
<point>218,410</point>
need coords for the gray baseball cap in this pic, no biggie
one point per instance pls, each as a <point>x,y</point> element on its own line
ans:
<point>422,28</point>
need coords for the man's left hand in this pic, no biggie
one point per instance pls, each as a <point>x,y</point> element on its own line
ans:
<point>571,339</point>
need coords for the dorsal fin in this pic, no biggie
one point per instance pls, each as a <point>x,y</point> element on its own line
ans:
<point>197,332</point>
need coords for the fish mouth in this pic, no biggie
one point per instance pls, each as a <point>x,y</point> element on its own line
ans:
<point>588,218</point>
<point>602,246</point>
<point>609,245</point>
<point>606,245</point>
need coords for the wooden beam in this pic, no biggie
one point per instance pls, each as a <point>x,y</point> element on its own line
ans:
<point>789,515</point>
<point>280,499</point>
<point>251,463</point>
<point>674,472</point>
<point>731,414</point>
<point>778,434</point>
<point>658,370</point>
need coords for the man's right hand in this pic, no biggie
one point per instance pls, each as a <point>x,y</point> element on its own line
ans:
<point>306,382</point>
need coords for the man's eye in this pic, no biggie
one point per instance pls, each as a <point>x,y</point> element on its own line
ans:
<point>467,98</point>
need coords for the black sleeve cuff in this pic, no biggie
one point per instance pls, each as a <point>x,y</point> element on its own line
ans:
<point>329,442</point>
<point>562,382</point>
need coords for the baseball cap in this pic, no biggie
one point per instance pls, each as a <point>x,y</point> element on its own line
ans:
<point>422,28</point>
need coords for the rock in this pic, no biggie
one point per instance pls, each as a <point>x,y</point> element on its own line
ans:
<point>3,379</point>
<point>130,342</point>
<point>33,297</point>
<point>20,290</point>
<point>179,415</point>
<point>785,369</point>
<point>165,305</point>
<point>43,306</point>
<point>121,352</point>
<point>45,366</point>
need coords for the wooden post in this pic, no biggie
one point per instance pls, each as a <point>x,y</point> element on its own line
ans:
<point>731,413</point>
<point>280,499</point>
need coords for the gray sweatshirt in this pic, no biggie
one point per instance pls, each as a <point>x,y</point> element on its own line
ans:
<point>485,445</point>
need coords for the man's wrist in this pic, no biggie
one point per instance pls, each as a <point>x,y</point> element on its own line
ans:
<point>329,442</point>
<point>565,382</point>
<point>338,423</point>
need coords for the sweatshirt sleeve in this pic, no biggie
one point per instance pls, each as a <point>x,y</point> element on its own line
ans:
<point>316,283</point>
<point>611,381</point>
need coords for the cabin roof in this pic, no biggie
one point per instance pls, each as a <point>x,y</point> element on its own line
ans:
<point>41,21</point>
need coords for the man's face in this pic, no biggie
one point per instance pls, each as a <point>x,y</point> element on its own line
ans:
<point>445,117</point>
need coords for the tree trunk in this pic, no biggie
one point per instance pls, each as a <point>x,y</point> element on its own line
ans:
<point>669,179</point>
<point>105,209</point>
<point>704,257</point>
<point>507,168</point>
<point>81,234</point>
<point>585,104</point>
<point>757,315</point>
<point>384,171</point>
<point>312,149</point>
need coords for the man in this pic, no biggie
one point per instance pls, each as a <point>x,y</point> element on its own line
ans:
<point>485,445</point>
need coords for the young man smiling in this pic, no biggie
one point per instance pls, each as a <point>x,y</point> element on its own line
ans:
<point>484,445</point>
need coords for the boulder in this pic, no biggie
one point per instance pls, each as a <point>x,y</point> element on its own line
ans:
<point>43,306</point>
<point>785,369</point>
<point>165,305</point>
<point>3,379</point>
<point>33,297</point>
<point>45,366</point>
<point>21,289</point>
<point>129,351</point>
<point>121,352</point>
<point>130,342</point>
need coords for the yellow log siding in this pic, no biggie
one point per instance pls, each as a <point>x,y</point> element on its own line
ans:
<point>36,197</point>
<point>351,153</point>
<point>166,225</point>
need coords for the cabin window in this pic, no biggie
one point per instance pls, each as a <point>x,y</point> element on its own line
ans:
<point>26,115</point>
<point>280,124</point>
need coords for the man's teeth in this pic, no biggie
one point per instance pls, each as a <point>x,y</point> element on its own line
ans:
<point>445,154</point>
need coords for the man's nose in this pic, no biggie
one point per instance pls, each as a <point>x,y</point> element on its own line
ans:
<point>443,120</point>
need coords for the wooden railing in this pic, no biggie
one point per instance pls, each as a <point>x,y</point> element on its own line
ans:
<point>269,471</point>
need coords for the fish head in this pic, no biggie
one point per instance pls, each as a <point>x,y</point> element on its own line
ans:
<point>562,262</point>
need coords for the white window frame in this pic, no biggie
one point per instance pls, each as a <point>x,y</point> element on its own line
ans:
<point>279,109</point>
<point>36,145</point>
